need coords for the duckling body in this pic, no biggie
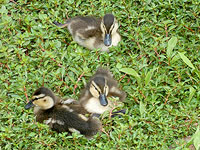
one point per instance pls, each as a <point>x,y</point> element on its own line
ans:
<point>102,85</point>
<point>60,117</point>
<point>94,33</point>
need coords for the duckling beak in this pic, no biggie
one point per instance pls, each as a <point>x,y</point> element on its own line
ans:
<point>107,40</point>
<point>103,100</point>
<point>29,105</point>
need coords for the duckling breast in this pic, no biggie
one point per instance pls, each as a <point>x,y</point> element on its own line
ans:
<point>93,106</point>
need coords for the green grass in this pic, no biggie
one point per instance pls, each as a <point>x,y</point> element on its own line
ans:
<point>162,76</point>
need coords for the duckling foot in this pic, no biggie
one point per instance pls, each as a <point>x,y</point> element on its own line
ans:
<point>96,115</point>
<point>117,113</point>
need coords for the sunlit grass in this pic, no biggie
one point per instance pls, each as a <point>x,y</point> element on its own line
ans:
<point>161,77</point>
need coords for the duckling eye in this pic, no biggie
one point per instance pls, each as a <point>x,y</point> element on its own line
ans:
<point>44,100</point>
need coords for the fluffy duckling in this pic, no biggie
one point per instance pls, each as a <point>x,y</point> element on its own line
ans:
<point>94,33</point>
<point>61,118</point>
<point>102,85</point>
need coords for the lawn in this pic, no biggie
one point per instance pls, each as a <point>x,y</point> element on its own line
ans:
<point>157,63</point>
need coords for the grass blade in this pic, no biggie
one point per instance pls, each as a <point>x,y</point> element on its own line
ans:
<point>132,72</point>
<point>197,138</point>
<point>175,58</point>
<point>171,44</point>
<point>192,92</point>
<point>142,108</point>
<point>148,77</point>
<point>198,73</point>
<point>186,60</point>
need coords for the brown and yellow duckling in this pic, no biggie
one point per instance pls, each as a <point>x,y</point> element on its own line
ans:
<point>94,33</point>
<point>94,98</point>
<point>60,117</point>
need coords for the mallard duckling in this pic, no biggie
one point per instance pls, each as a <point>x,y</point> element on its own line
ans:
<point>102,85</point>
<point>61,118</point>
<point>94,33</point>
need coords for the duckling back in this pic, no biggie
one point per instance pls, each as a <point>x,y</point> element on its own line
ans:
<point>62,119</point>
<point>81,24</point>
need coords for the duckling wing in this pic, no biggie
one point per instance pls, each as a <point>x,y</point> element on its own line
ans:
<point>85,27</point>
<point>88,32</point>
<point>116,92</point>
<point>85,126</point>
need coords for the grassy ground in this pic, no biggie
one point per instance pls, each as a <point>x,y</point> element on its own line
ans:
<point>157,64</point>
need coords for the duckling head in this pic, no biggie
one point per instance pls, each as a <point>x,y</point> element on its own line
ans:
<point>42,98</point>
<point>109,26</point>
<point>99,89</point>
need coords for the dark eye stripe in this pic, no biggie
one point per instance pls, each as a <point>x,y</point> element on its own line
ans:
<point>38,98</point>
<point>96,88</point>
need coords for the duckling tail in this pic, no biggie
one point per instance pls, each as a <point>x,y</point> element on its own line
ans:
<point>62,25</point>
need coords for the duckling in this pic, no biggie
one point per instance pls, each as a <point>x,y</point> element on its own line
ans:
<point>61,118</point>
<point>94,33</point>
<point>101,86</point>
